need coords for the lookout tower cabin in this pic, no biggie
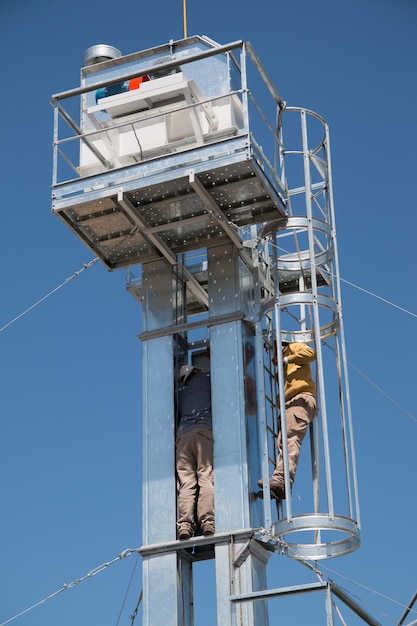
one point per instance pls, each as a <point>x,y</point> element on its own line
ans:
<point>183,165</point>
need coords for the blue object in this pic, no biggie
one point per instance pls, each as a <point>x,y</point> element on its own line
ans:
<point>112,90</point>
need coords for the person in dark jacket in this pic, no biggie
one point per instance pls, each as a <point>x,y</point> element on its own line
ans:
<point>194,454</point>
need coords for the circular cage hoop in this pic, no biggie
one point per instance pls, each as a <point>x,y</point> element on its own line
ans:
<point>326,331</point>
<point>299,262</point>
<point>292,222</point>
<point>314,524</point>
<point>307,336</point>
<point>295,264</point>
<point>309,115</point>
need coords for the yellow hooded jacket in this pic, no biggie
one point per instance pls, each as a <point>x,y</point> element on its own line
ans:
<point>297,370</point>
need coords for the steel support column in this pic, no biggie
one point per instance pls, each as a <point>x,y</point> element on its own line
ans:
<point>230,284</point>
<point>160,579</point>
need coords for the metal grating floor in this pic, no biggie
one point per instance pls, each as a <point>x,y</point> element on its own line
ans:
<point>138,225</point>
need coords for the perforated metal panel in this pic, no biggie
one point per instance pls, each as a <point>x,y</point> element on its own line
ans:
<point>173,211</point>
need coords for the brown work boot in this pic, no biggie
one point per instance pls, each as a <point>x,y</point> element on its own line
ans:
<point>184,532</point>
<point>276,488</point>
<point>207,529</point>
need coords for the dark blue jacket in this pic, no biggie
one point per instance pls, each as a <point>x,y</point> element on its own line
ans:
<point>194,403</point>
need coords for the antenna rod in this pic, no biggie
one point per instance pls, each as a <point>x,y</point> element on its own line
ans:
<point>184,5</point>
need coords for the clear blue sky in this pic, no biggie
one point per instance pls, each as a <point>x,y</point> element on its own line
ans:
<point>70,442</point>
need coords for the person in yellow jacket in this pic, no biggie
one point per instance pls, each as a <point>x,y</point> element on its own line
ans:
<point>300,409</point>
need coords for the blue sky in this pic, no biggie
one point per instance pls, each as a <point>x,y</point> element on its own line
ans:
<point>70,443</point>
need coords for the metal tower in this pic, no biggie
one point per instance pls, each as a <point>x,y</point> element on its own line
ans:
<point>188,169</point>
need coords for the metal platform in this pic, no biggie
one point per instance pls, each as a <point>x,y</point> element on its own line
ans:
<point>172,165</point>
<point>138,222</point>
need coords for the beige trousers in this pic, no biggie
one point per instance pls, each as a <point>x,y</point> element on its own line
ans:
<point>299,412</point>
<point>194,452</point>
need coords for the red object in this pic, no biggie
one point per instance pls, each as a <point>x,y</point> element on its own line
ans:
<point>135,83</point>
